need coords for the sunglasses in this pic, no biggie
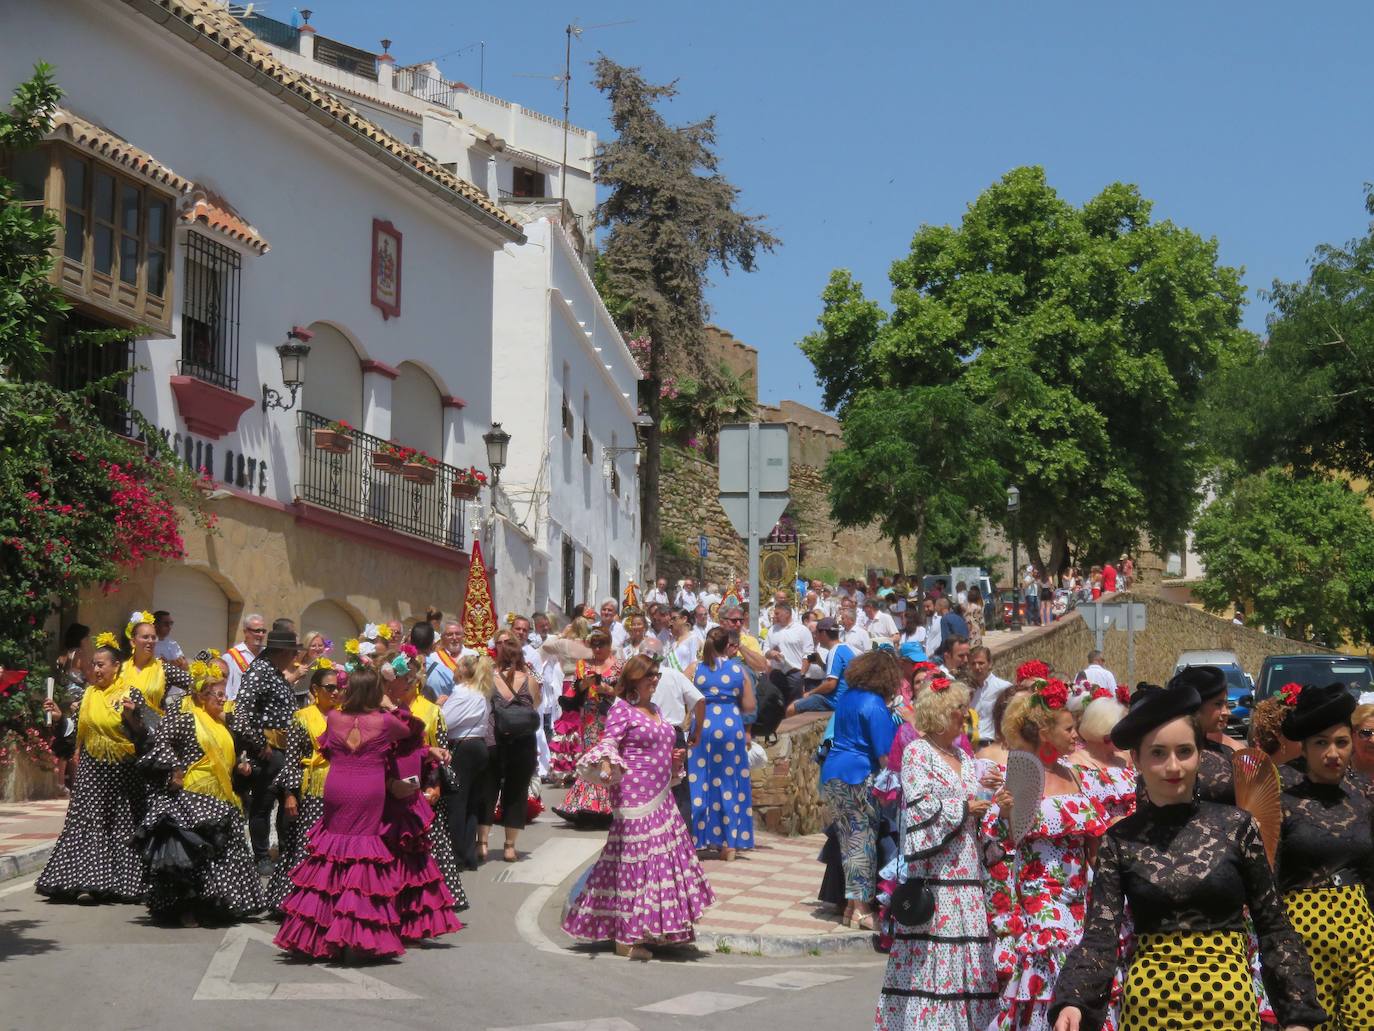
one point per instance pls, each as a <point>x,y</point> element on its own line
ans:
<point>1366,733</point>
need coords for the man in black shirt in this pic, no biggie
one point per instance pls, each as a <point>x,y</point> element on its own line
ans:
<point>263,710</point>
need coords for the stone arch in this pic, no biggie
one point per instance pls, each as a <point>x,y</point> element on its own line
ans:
<point>333,620</point>
<point>333,376</point>
<point>417,414</point>
<point>200,607</point>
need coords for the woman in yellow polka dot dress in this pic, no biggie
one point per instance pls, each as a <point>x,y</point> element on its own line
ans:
<point>1326,855</point>
<point>1185,872</point>
<point>718,768</point>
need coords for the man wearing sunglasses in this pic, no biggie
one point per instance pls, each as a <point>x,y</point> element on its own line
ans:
<point>750,650</point>
<point>241,656</point>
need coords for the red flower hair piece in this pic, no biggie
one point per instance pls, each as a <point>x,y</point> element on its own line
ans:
<point>1123,695</point>
<point>1100,692</point>
<point>1288,693</point>
<point>1053,694</point>
<point>940,684</point>
<point>1033,670</point>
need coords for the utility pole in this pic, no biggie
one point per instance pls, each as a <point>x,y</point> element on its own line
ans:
<point>567,108</point>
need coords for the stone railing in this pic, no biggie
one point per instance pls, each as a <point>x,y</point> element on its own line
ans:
<point>787,797</point>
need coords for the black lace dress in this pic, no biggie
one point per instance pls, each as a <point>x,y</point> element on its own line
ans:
<point>1186,870</point>
<point>1215,781</point>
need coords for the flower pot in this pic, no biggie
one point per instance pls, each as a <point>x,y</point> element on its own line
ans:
<point>466,491</point>
<point>332,441</point>
<point>418,472</point>
<point>386,463</point>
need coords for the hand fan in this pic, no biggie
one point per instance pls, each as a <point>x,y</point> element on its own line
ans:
<point>1257,792</point>
<point>1026,783</point>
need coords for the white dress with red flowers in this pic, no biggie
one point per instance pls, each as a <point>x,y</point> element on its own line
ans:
<point>1050,870</point>
<point>1113,786</point>
<point>940,976</point>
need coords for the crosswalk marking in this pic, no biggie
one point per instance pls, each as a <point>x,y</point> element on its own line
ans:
<point>218,985</point>
<point>597,1024</point>
<point>700,1004</point>
<point>794,980</point>
<point>553,861</point>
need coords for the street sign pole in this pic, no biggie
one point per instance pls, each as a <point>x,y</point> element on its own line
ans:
<point>755,476</point>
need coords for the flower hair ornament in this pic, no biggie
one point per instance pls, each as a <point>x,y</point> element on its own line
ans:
<point>1033,670</point>
<point>1123,695</point>
<point>203,673</point>
<point>1052,694</point>
<point>107,639</point>
<point>400,665</point>
<point>137,618</point>
<point>510,618</point>
<point>383,631</point>
<point>371,632</point>
<point>351,646</point>
<point>1288,694</point>
<point>322,662</point>
<point>409,650</point>
<point>940,684</point>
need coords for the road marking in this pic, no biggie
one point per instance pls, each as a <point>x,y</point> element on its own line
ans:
<point>794,980</point>
<point>700,1004</point>
<point>552,862</point>
<point>598,1024</point>
<point>218,985</point>
<point>25,886</point>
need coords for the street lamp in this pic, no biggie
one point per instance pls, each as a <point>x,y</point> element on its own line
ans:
<point>1013,509</point>
<point>497,441</point>
<point>292,354</point>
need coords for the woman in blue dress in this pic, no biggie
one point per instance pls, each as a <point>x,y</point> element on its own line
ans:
<point>718,768</point>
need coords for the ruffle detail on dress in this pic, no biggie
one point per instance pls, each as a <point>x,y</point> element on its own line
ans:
<point>585,801</point>
<point>335,847</point>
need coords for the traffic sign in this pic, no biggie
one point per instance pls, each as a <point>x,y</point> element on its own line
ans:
<point>703,546</point>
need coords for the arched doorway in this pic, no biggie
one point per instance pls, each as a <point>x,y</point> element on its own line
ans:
<point>334,621</point>
<point>198,606</point>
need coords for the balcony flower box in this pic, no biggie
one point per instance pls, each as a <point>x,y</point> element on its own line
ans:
<point>465,491</point>
<point>387,463</point>
<point>334,439</point>
<point>468,483</point>
<point>417,471</point>
<point>392,457</point>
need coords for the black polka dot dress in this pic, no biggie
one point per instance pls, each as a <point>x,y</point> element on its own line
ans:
<point>94,855</point>
<point>1185,876</point>
<point>1325,872</point>
<point>303,775</point>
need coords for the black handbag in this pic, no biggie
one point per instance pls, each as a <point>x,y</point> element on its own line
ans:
<point>513,721</point>
<point>448,779</point>
<point>913,903</point>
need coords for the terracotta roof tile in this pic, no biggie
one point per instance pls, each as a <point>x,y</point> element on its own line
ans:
<point>216,25</point>
<point>212,210</point>
<point>115,149</point>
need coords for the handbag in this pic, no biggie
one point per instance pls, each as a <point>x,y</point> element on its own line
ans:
<point>448,779</point>
<point>913,903</point>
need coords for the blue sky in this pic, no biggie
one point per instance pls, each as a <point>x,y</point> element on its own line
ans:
<point>850,125</point>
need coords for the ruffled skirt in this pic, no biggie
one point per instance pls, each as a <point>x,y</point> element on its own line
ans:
<point>344,898</point>
<point>197,857</point>
<point>647,886</point>
<point>586,804</point>
<point>293,849</point>
<point>1035,961</point>
<point>95,852</point>
<point>424,904</point>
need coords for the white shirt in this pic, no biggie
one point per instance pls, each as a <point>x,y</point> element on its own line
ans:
<point>828,607</point>
<point>231,682</point>
<point>167,649</point>
<point>676,696</point>
<point>1100,676</point>
<point>933,635</point>
<point>858,639</point>
<point>655,597</point>
<point>617,632</point>
<point>684,652</point>
<point>880,625</point>
<point>686,599</point>
<point>465,713</point>
<point>984,698</point>
<point>551,684</point>
<point>648,646</point>
<point>708,598</point>
<point>795,643</point>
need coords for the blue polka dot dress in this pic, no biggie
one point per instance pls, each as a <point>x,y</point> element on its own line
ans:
<point>718,768</point>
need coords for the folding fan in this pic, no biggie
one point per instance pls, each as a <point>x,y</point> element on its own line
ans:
<point>1026,784</point>
<point>1257,792</point>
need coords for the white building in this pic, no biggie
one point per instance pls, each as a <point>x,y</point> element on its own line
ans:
<point>213,194</point>
<point>564,384</point>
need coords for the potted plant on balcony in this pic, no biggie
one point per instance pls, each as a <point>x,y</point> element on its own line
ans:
<point>420,468</point>
<point>467,483</point>
<point>334,439</point>
<point>389,457</point>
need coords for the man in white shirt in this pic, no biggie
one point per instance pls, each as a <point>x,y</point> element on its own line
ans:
<point>542,628</point>
<point>609,611</point>
<point>710,596</point>
<point>827,603</point>
<point>789,643</point>
<point>851,633</point>
<point>658,594</point>
<point>659,617</point>
<point>877,622</point>
<point>987,688</point>
<point>166,649</point>
<point>933,631</point>
<point>683,707</point>
<point>1097,674</point>
<point>241,656</point>
<point>701,622</point>
<point>686,595</point>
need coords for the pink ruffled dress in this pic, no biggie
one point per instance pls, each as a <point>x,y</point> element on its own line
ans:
<point>346,886</point>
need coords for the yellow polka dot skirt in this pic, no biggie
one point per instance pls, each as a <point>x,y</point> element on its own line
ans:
<point>1337,927</point>
<point>1189,982</point>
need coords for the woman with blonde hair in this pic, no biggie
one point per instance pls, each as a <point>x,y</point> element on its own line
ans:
<point>1051,861</point>
<point>467,717</point>
<point>1363,721</point>
<point>1106,774</point>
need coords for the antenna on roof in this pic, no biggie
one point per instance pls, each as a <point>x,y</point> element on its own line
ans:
<point>573,29</point>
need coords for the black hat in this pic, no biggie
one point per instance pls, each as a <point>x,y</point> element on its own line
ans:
<point>282,640</point>
<point>1318,708</point>
<point>1153,706</point>
<point>1208,681</point>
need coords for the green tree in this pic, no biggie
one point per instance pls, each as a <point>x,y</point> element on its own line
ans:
<point>1298,551</point>
<point>672,218</point>
<point>918,462</point>
<point>1081,335</point>
<point>695,406</point>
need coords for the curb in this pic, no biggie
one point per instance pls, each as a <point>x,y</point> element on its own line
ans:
<point>17,864</point>
<point>728,943</point>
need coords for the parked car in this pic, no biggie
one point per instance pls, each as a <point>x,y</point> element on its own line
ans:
<point>1240,686</point>
<point>1355,671</point>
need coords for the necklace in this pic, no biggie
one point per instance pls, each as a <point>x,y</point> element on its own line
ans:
<point>941,748</point>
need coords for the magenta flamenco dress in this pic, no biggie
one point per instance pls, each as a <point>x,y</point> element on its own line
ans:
<point>346,886</point>
<point>423,903</point>
<point>647,886</point>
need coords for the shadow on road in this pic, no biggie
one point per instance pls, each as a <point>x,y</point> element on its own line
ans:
<point>16,940</point>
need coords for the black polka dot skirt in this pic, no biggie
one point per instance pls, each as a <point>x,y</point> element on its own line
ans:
<point>221,881</point>
<point>94,854</point>
<point>292,849</point>
<point>441,850</point>
<point>1190,982</point>
<point>1337,928</point>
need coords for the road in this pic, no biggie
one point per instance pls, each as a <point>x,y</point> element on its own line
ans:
<point>108,968</point>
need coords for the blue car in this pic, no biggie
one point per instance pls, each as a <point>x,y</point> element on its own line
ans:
<point>1240,688</point>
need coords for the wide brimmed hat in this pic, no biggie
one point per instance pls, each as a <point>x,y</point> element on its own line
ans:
<point>282,640</point>
<point>1208,681</point>
<point>1153,706</point>
<point>1318,708</point>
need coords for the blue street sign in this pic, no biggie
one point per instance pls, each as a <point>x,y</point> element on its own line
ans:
<point>703,548</point>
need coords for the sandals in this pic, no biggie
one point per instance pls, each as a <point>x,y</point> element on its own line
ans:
<point>860,921</point>
<point>481,852</point>
<point>727,855</point>
<point>509,854</point>
<point>636,953</point>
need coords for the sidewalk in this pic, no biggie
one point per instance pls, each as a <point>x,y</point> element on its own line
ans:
<point>28,831</point>
<point>766,902</point>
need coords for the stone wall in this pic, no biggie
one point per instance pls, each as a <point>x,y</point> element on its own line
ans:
<point>1170,629</point>
<point>787,790</point>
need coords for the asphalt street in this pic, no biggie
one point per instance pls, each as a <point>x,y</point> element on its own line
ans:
<point>108,968</point>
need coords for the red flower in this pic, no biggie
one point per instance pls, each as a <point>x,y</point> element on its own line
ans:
<point>1054,693</point>
<point>940,684</point>
<point>1123,694</point>
<point>1036,985</point>
<point>1033,904</point>
<point>1078,909</point>
<point>1100,692</point>
<point>1033,670</point>
<point>1289,693</point>
<point>1001,902</point>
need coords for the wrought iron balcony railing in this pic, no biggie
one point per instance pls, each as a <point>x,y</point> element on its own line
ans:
<point>352,484</point>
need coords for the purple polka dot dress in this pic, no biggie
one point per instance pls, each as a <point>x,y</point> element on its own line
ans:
<point>647,886</point>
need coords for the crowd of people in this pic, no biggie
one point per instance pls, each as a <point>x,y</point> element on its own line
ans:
<point>1053,851</point>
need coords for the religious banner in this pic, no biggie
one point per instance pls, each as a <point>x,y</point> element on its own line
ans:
<point>778,563</point>
<point>386,268</point>
<point>479,615</point>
